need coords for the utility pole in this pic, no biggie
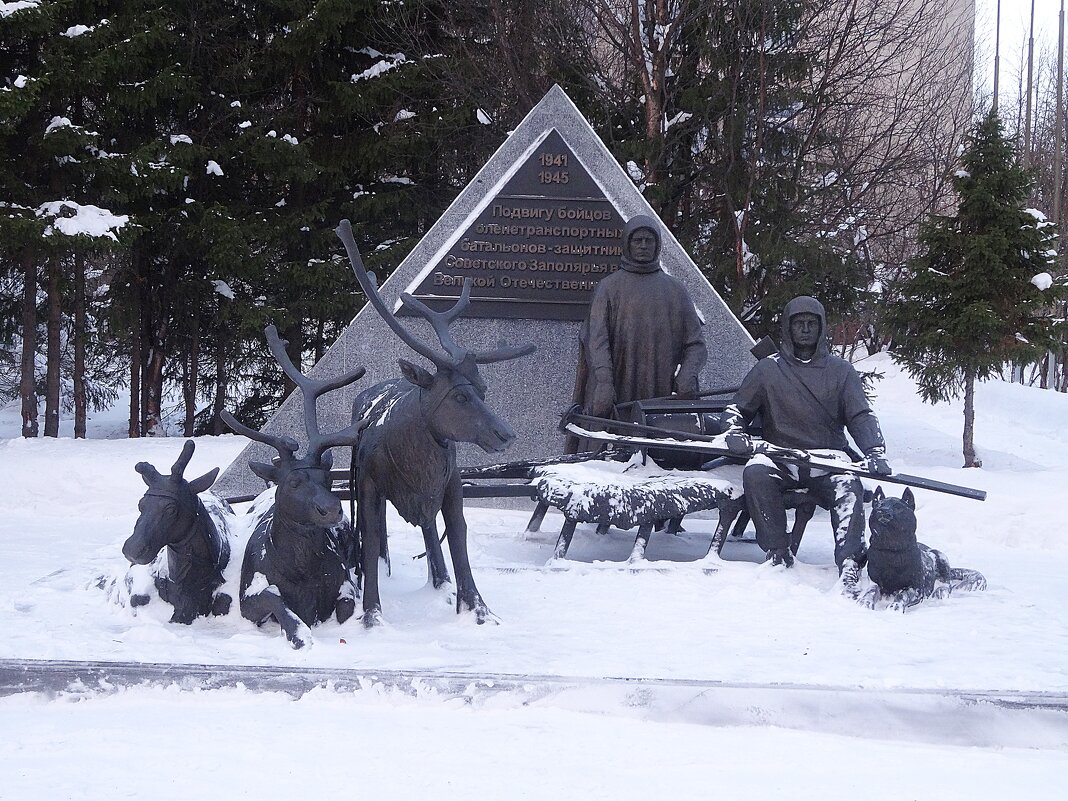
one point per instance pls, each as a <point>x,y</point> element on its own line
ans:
<point>1058,132</point>
<point>997,57</point>
<point>1030,89</point>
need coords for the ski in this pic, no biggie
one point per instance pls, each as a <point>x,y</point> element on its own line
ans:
<point>717,446</point>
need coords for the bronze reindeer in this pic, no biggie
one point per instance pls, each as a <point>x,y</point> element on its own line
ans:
<point>407,455</point>
<point>301,562</point>
<point>173,517</point>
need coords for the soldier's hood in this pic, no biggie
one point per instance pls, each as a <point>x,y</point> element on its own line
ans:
<point>633,224</point>
<point>803,304</point>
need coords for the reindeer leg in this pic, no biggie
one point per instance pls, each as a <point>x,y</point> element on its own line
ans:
<point>185,611</point>
<point>452,510</point>
<point>220,604</point>
<point>435,559</point>
<point>964,579</point>
<point>901,600</point>
<point>348,550</point>
<point>372,513</point>
<point>870,597</point>
<point>263,605</point>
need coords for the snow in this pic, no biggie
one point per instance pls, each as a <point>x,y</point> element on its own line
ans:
<point>21,81</point>
<point>56,123</point>
<point>379,67</point>
<point>181,139</point>
<point>682,116</point>
<point>1042,281</point>
<point>213,168</point>
<point>223,289</point>
<point>77,30</point>
<point>74,219</point>
<point>7,9</point>
<point>757,681</point>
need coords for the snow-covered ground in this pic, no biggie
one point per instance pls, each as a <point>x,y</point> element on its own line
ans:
<point>761,681</point>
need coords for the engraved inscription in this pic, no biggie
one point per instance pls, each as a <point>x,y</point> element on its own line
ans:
<point>538,247</point>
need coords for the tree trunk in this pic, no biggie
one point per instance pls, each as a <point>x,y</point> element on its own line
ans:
<point>135,359</point>
<point>190,380</point>
<point>80,404</point>
<point>320,340</point>
<point>217,424</point>
<point>969,423</point>
<point>55,325</point>
<point>27,383</point>
<point>152,380</point>
<point>135,425</point>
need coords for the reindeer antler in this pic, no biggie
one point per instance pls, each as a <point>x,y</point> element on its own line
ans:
<point>149,473</point>
<point>346,436</point>
<point>286,446</point>
<point>439,321</point>
<point>505,352</point>
<point>369,285</point>
<point>310,388</point>
<point>187,453</point>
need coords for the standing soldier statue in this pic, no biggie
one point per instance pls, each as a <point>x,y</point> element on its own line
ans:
<point>642,338</point>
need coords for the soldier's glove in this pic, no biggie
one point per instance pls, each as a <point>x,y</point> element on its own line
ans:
<point>603,401</point>
<point>686,387</point>
<point>738,443</point>
<point>876,462</point>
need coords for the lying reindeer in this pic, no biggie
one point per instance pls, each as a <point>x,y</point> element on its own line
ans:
<point>408,454</point>
<point>300,564</point>
<point>173,517</point>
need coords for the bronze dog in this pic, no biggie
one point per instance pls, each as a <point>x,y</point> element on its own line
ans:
<point>901,569</point>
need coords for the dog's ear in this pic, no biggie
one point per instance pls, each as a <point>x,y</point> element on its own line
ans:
<point>909,499</point>
<point>878,496</point>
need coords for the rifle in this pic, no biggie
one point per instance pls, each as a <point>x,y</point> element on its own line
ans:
<point>643,436</point>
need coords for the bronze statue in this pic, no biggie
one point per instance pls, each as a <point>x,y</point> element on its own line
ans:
<point>173,517</point>
<point>408,454</point>
<point>806,397</point>
<point>904,571</point>
<point>642,337</point>
<point>301,563</point>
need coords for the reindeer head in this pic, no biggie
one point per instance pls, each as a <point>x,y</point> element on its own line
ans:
<point>303,495</point>
<point>452,400</point>
<point>168,508</point>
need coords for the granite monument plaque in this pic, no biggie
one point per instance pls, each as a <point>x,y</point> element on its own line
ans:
<point>537,249</point>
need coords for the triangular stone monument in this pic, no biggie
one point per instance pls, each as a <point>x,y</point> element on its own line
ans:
<point>536,228</point>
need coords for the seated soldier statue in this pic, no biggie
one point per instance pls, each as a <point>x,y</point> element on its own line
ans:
<point>806,397</point>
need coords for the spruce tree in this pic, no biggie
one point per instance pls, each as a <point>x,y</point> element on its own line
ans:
<point>981,293</point>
